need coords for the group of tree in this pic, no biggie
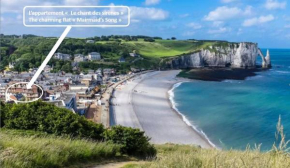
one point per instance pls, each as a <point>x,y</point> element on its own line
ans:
<point>44,117</point>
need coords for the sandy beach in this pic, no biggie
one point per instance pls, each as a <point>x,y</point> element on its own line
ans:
<point>143,103</point>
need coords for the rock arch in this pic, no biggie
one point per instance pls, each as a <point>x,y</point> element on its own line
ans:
<point>266,61</point>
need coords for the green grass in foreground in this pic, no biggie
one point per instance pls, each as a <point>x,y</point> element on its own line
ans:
<point>185,156</point>
<point>28,149</point>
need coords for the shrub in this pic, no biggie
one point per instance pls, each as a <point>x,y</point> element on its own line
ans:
<point>41,116</point>
<point>132,141</point>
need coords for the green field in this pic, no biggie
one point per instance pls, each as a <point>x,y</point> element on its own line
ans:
<point>166,48</point>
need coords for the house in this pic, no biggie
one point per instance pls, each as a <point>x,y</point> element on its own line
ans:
<point>2,90</point>
<point>70,101</point>
<point>78,87</point>
<point>108,72</point>
<point>20,88</point>
<point>87,80</point>
<point>133,54</point>
<point>65,100</point>
<point>79,58</point>
<point>94,56</point>
<point>11,65</point>
<point>47,68</point>
<point>90,41</point>
<point>61,56</point>
<point>99,71</point>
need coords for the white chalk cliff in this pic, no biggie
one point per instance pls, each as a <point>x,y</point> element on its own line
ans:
<point>242,55</point>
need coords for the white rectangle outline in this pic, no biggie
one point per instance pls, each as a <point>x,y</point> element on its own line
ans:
<point>129,17</point>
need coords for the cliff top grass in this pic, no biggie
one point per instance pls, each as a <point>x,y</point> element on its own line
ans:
<point>36,149</point>
<point>186,156</point>
<point>166,48</point>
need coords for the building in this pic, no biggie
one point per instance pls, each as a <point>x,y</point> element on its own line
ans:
<point>70,101</point>
<point>11,65</point>
<point>19,90</point>
<point>47,68</point>
<point>108,72</point>
<point>90,41</point>
<point>3,87</point>
<point>61,56</point>
<point>94,56</point>
<point>65,100</point>
<point>79,58</point>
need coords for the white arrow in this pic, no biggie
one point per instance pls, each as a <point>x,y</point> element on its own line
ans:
<point>55,47</point>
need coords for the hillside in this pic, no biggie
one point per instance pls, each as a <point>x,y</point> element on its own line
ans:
<point>166,48</point>
<point>56,141</point>
<point>35,149</point>
<point>29,51</point>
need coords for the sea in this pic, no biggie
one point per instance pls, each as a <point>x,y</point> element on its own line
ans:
<point>234,114</point>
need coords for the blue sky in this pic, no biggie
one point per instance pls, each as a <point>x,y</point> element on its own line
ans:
<point>266,22</point>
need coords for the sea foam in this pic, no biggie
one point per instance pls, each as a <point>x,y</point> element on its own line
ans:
<point>184,118</point>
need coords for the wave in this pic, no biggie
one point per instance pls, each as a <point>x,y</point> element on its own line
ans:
<point>254,77</point>
<point>283,72</point>
<point>231,81</point>
<point>186,120</point>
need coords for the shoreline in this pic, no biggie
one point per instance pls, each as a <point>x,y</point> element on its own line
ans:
<point>184,118</point>
<point>146,101</point>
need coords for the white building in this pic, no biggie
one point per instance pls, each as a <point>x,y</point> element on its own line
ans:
<point>2,90</point>
<point>47,68</point>
<point>11,65</point>
<point>94,56</point>
<point>61,56</point>
<point>79,58</point>
<point>90,41</point>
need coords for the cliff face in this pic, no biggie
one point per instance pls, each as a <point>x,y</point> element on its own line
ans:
<point>233,55</point>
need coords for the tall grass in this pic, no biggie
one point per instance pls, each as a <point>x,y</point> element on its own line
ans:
<point>185,156</point>
<point>20,151</point>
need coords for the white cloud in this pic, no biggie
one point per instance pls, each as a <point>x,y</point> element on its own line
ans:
<point>220,30</point>
<point>139,13</point>
<point>258,20</point>
<point>240,31</point>
<point>16,6</point>
<point>194,25</point>
<point>184,15</point>
<point>188,33</point>
<point>274,4</point>
<point>80,2</point>
<point>226,13</point>
<point>248,10</point>
<point>152,2</point>
<point>217,23</point>
<point>228,1</point>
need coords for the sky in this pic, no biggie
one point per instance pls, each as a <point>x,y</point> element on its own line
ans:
<point>266,22</point>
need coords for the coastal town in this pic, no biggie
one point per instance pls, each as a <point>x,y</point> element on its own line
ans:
<point>86,93</point>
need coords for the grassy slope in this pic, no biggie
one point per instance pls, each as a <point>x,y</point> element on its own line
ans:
<point>184,156</point>
<point>30,149</point>
<point>165,48</point>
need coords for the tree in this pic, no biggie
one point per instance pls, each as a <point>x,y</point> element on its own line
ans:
<point>173,38</point>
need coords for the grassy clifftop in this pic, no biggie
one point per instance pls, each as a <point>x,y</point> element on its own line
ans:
<point>185,156</point>
<point>166,48</point>
<point>30,149</point>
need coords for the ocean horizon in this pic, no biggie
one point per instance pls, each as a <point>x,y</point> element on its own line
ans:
<point>238,113</point>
